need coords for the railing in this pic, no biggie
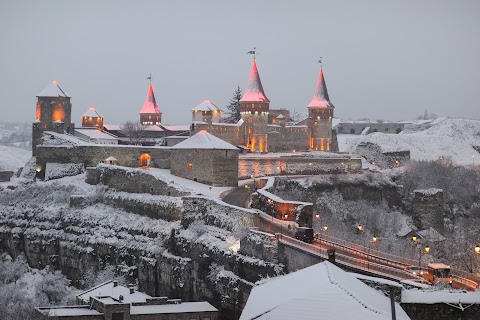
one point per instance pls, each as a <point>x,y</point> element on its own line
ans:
<point>349,261</point>
<point>385,260</point>
<point>369,251</point>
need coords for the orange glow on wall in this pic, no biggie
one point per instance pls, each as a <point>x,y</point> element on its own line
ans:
<point>190,165</point>
<point>58,113</point>
<point>38,112</point>
<point>145,160</point>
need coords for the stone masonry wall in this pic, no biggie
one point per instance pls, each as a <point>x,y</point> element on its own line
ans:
<point>134,181</point>
<point>288,139</point>
<point>270,166</point>
<point>5,175</point>
<point>441,311</point>
<point>428,208</point>
<point>214,167</point>
<point>91,155</point>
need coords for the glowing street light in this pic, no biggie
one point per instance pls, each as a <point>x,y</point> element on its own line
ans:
<point>317,216</point>
<point>360,228</point>
<point>477,249</point>
<point>427,249</point>
<point>325,228</point>
<point>414,238</point>
<point>374,239</point>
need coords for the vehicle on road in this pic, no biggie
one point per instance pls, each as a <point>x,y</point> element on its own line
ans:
<point>438,272</point>
<point>304,234</point>
<point>415,270</point>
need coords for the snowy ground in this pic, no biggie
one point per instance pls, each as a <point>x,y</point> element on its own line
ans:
<point>12,158</point>
<point>453,138</point>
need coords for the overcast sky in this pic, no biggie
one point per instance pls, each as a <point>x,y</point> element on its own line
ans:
<point>382,59</point>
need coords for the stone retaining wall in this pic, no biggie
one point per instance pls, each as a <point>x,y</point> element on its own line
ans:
<point>291,165</point>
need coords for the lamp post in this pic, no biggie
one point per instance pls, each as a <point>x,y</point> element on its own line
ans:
<point>477,249</point>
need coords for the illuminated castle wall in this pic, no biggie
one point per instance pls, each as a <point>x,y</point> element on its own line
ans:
<point>53,113</point>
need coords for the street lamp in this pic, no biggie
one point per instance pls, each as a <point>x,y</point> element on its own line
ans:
<point>325,228</point>
<point>477,249</point>
<point>360,228</point>
<point>426,250</point>
<point>374,239</point>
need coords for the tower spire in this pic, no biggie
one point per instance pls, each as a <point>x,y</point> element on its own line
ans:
<point>254,91</point>
<point>320,97</point>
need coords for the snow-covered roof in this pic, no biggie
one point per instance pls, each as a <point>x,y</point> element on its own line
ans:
<point>111,159</point>
<point>91,112</point>
<point>69,311</point>
<point>322,289</point>
<point>53,90</point>
<point>184,307</point>
<point>440,296</point>
<point>254,91</point>
<point>109,289</point>
<point>430,234</point>
<point>206,105</point>
<point>112,127</point>
<point>150,105</point>
<point>204,140</point>
<point>152,128</point>
<point>94,133</point>
<point>177,128</point>
<point>320,98</point>
<point>280,116</point>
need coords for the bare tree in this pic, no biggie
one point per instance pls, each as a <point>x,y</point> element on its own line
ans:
<point>134,131</point>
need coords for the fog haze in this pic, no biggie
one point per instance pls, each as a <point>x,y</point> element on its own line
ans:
<point>382,59</point>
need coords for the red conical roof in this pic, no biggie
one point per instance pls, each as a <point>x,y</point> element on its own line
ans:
<point>320,98</point>
<point>254,91</point>
<point>150,105</point>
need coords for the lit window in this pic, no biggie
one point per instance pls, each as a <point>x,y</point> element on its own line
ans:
<point>189,165</point>
<point>249,130</point>
<point>250,119</point>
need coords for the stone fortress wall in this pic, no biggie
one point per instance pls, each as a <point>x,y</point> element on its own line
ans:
<point>357,127</point>
<point>258,166</point>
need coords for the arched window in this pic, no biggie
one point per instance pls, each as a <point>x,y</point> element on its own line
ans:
<point>352,131</point>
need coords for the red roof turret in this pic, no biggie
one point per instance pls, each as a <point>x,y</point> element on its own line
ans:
<point>320,98</point>
<point>150,105</point>
<point>254,91</point>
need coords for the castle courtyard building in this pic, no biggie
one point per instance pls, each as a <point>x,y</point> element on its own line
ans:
<point>206,159</point>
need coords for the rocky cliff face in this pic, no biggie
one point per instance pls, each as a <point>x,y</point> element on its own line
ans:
<point>194,262</point>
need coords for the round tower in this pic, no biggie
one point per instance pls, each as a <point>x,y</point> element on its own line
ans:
<point>320,114</point>
<point>254,107</point>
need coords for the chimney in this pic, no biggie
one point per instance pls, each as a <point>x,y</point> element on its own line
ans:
<point>115,283</point>
<point>120,298</point>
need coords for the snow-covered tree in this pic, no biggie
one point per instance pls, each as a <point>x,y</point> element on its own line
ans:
<point>234,107</point>
<point>134,131</point>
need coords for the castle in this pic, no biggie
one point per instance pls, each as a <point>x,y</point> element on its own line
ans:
<point>259,129</point>
<point>210,143</point>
